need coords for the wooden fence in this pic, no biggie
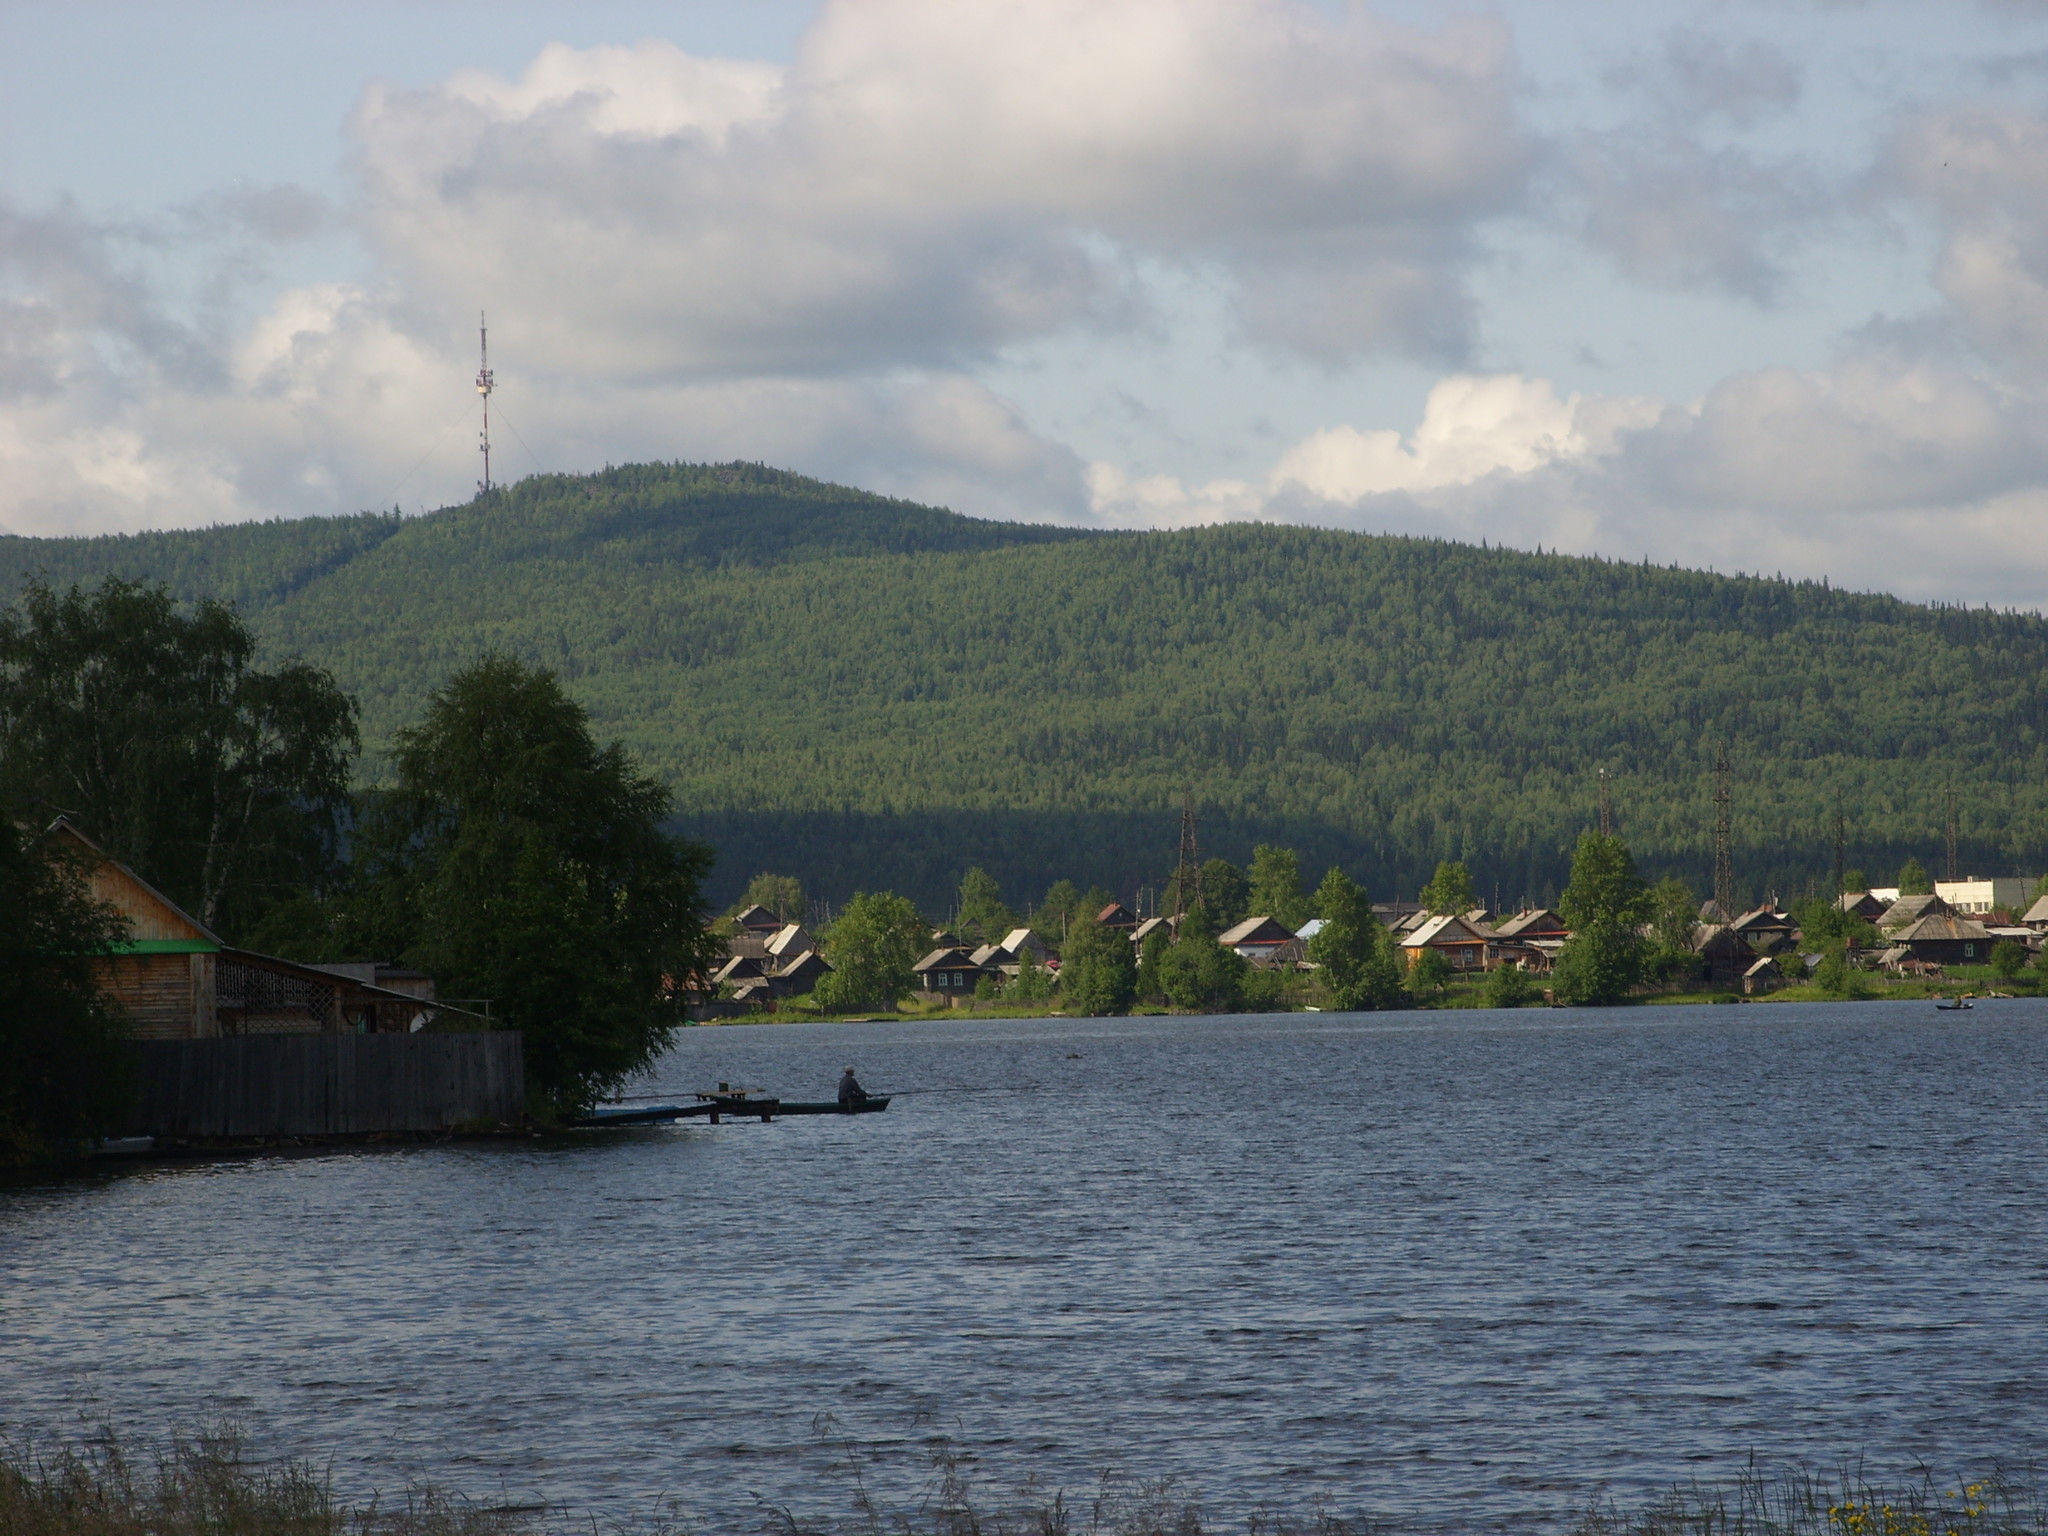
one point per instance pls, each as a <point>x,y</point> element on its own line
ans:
<point>329,1085</point>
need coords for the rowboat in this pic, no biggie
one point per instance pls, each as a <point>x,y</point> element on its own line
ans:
<point>1961,1002</point>
<point>716,1107</point>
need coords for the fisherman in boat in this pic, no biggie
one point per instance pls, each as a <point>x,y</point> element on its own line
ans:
<point>851,1094</point>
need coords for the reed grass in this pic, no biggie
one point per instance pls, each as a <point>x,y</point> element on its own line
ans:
<point>209,1485</point>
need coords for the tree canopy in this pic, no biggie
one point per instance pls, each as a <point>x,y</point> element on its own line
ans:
<point>1450,892</point>
<point>520,862</point>
<point>223,783</point>
<point>872,945</point>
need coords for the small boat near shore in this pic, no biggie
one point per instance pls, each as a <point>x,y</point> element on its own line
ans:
<point>1953,1006</point>
<point>717,1107</point>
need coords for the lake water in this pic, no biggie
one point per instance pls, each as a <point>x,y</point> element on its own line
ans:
<point>1441,1267</point>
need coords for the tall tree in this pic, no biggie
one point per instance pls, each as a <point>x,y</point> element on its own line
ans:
<point>872,945</point>
<point>222,783</point>
<point>982,913</point>
<point>1352,949</point>
<point>519,861</point>
<point>1226,893</point>
<point>1062,905</point>
<point>1198,974</point>
<point>64,1067</point>
<point>1605,905</point>
<point>1449,892</point>
<point>1914,879</point>
<point>1276,886</point>
<point>1098,972</point>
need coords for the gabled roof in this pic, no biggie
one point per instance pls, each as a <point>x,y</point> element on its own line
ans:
<point>1309,929</point>
<point>1941,925</point>
<point>1150,926</point>
<point>790,939</point>
<point>1909,909</point>
<point>759,919</point>
<point>989,954</point>
<point>1862,903</point>
<point>2038,912</point>
<point>1535,920</point>
<point>738,968</point>
<point>1017,938</point>
<point>1765,916</point>
<point>947,957</point>
<point>1712,912</point>
<point>1255,930</point>
<point>1117,915</point>
<point>154,920</point>
<point>810,962</point>
<point>1448,929</point>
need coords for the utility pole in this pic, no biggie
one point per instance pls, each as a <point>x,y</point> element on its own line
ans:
<point>1724,847</point>
<point>1952,875</point>
<point>1606,807</point>
<point>484,383</point>
<point>1188,872</point>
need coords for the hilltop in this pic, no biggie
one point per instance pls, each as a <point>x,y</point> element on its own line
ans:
<point>865,691</point>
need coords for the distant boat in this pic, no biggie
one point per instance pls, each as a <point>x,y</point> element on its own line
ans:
<point>1961,1002</point>
<point>721,1107</point>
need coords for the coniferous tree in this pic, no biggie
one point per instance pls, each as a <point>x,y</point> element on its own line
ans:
<point>1914,879</point>
<point>781,894</point>
<point>1199,975</point>
<point>983,916</point>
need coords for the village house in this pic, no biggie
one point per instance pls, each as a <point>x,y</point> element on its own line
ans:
<point>1860,904</point>
<point>1726,953</point>
<point>1263,941</point>
<point>1942,938</point>
<point>1458,940</point>
<point>1904,911</point>
<point>948,974</point>
<point>1117,915</point>
<point>178,980</point>
<point>1976,897</point>
<point>758,919</point>
<point>1767,930</point>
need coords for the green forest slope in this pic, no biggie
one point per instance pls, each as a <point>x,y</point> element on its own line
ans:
<point>866,692</point>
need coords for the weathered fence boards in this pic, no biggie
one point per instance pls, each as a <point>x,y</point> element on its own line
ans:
<point>329,1085</point>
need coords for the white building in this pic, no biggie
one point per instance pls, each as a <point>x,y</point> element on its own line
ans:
<point>1977,897</point>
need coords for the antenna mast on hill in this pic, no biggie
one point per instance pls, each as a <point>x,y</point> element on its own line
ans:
<point>1724,847</point>
<point>1952,876</point>
<point>1841,829</point>
<point>1606,807</point>
<point>1187,874</point>
<point>484,381</point>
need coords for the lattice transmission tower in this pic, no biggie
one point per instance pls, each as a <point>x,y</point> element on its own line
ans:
<point>1606,806</point>
<point>1724,843</point>
<point>1187,874</point>
<point>485,381</point>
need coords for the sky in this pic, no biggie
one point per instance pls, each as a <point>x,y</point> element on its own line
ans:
<point>1751,286</point>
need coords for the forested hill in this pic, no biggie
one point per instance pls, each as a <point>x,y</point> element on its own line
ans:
<point>867,692</point>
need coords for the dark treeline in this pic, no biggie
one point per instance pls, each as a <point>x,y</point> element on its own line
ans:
<point>825,679</point>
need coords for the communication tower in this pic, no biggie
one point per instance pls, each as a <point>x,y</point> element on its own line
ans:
<point>1841,833</point>
<point>1187,875</point>
<point>1952,876</point>
<point>1606,807</point>
<point>484,382</point>
<point>1724,846</point>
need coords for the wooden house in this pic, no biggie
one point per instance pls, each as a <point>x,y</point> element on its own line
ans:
<point>1264,941</point>
<point>1532,923</point>
<point>177,980</point>
<point>1908,910</point>
<point>1150,926</point>
<point>1860,904</point>
<point>2036,916</point>
<point>948,974</point>
<point>1117,915</point>
<point>1942,938</point>
<point>758,919</point>
<point>787,942</point>
<point>1766,930</point>
<point>1451,936</point>
<point>1725,953</point>
<point>799,975</point>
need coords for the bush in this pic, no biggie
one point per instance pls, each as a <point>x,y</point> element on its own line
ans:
<point>1509,986</point>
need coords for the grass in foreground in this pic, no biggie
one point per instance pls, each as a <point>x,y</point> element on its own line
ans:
<point>211,1486</point>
